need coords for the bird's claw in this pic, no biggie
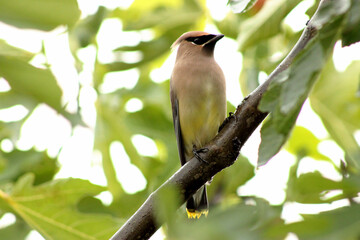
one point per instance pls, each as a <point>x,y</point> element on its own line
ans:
<point>197,152</point>
<point>231,115</point>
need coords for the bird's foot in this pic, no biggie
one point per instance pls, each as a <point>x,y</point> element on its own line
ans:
<point>231,115</point>
<point>197,152</point>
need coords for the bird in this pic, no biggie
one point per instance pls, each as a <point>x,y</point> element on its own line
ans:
<point>198,101</point>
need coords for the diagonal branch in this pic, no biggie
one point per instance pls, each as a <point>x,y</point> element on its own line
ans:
<point>223,150</point>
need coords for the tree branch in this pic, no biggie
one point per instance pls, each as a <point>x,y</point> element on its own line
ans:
<point>223,151</point>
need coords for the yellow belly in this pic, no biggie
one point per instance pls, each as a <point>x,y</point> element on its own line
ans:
<point>200,119</point>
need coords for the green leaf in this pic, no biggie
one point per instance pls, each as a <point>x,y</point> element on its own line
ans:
<point>166,204</point>
<point>289,89</point>
<point>238,6</point>
<point>105,132</point>
<point>149,51</point>
<point>10,99</point>
<point>274,132</point>
<point>328,11</point>
<point>39,14</point>
<point>171,20</point>
<point>8,50</point>
<point>270,99</point>
<point>310,187</point>
<point>224,186</point>
<point>38,85</point>
<point>342,223</point>
<point>249,76</point>
<point>230,25</point>
<point>50,208</point>
<point>17,163</point>
<point>10,130</point>
<point>234,177</point>
<point>164,18</point>
<point>304,143</point>
<point>238,221</point>
<point>351,33</point>
<point>86,29</point>
<point>16,231</point>
<point>160,15</point>
<point>265,24</point>
<point>339,107</point>
<point>301,78</point>
<point>271,142</point>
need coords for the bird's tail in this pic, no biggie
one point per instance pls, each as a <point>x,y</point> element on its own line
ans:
<point>198,204</point>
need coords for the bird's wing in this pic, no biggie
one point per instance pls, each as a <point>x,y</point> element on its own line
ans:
<point>176,121</point>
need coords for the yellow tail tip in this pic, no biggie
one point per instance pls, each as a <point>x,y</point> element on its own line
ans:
<point>196,214</point>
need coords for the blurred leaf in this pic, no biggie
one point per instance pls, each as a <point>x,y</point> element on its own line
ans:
<point>59,219</point>
<point>249,76</point>
<point>151,121</point>
<point>86,29</point>
<point>351,33</point>
<point>140,8</point>
<point>8,50</point>
<point>224,186</point>
<point>238,174</point>
<point>159,14</point>
<point>10,130</point>
<point>105,134</point>
<point>310,187</point>
<point>339,107</point>
<point>328,11</point>
<point>127,204</point>
<point>25,79</point>
<point>10,98</point>
<point>169,19</point>
<point>288,90</point>
<point>247,221</point>
<point>304,143</point>
<point>301,78</point>
<point>342,223</point>
<point>313,187</point>
<point>274,133</point>
<point>265,24</point>
<point>164,18</point>
<point>16,231</point>
<point>238,6</point>
<point>39,14</point>
<point>161,126</point>
<point>230,25</point>
<point>39,85</point>
<point>17,163</point>
<point>166,204</point>
<point>271,97</point>
<point>149,50</point>
<point>90,204</point>
<point>313,8</point>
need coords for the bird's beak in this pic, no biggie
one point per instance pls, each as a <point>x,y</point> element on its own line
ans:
<point>215,39</point>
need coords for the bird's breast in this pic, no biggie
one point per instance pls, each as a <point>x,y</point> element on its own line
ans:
<point>200,91</point>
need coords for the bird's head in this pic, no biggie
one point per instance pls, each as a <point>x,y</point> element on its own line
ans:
<point>197,42</point>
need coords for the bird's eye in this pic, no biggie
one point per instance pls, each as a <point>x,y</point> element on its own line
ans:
<point>200,40</point>
<point>196,41</point>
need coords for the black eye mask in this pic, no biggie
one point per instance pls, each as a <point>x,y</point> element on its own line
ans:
<point>201,39</point>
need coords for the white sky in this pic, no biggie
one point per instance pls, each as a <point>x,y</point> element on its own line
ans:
<point>47,130</point>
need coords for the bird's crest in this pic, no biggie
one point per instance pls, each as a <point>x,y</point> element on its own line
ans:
<point>187,35</point>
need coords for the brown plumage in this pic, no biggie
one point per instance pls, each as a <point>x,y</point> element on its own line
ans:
<point>198,99</point>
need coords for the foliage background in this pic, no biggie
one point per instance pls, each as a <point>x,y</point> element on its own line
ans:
<point>115,98</point>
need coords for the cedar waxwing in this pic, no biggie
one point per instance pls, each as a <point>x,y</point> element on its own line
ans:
<point>198,99</point>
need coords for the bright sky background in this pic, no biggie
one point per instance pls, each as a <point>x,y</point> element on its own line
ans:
<point>47,130</point>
